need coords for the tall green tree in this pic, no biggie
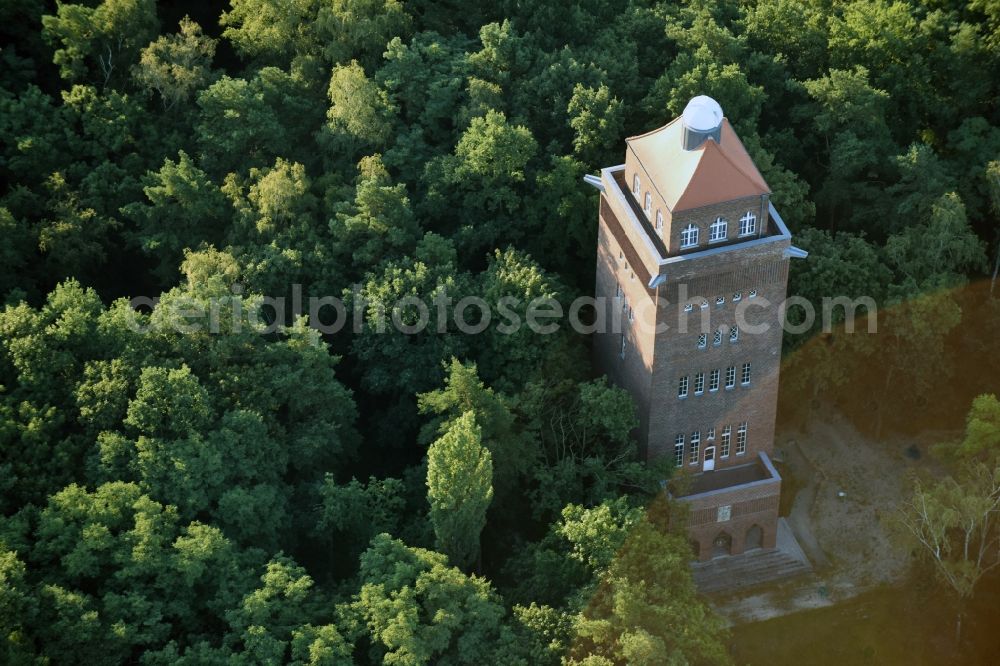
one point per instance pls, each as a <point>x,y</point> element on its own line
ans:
<point>459,489</point>
<point>178,65</point>
<point>415,609</point>
<point>99,43</point>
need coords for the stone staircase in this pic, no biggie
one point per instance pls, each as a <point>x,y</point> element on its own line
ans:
<point>726,574</point>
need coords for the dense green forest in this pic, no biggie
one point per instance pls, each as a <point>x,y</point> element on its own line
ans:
<point>287,496</point>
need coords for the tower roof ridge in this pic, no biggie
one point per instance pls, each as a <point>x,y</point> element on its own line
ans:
<point>701,176</point>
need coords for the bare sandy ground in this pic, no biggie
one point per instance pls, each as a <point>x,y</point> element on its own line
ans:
<point>849,488</point>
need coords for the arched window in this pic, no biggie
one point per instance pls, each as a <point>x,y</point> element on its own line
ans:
<point>722,545</point>
<point>748,224</point>
<point>648,207</point>
<point>718,231</point>
<point>635,184</point>
<point>659,220</point>
<point>689,236</point>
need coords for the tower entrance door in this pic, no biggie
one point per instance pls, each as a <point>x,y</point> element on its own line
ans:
<point>709,459</point>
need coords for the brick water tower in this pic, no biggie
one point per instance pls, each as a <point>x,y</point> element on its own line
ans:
<point>692,263</point>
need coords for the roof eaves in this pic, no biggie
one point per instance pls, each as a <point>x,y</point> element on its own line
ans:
<point>652,131</point>
<point>636,225</point>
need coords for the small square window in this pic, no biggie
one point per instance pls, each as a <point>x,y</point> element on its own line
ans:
<point>688,307</point>
<point>738,296</point>
<point>720,300</point>
<point>753,293</point>
<point>704,303</point>
<point>711,434</point>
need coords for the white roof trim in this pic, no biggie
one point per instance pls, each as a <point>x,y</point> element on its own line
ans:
<point>591,179</point>
<point>663,261</point>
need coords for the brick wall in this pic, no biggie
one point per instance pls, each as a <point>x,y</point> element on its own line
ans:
<point>674,221</point>
<point>749,506</point>
<point>677,353</point>
<point>704,216</point>
<point>633,371</point>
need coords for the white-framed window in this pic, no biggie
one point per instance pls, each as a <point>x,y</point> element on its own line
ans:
<point>695,447</point>
<point>682,387</point>
<point>702,340</point>
<point>746,374</point>
<point>659,220</point>
<point>727,438</point>
<point>635,184</point>
<point>679,450</point>
<point>720,300</point>
<point>711,435</point>
<point>648,204</point>
<point>730,376</point>
<point>748,224</point>
<point>688,307</point>
<point>623,347</point>
<point>734,333</point>
<point>689,236</point>
<point>704,303</point>
<point>713,381</point>
<point>717,338</point>
<point>718,230</point>
<point>741,439</point>
<point>737,297</point>
<point>753,293</point>
<point>699,383</point>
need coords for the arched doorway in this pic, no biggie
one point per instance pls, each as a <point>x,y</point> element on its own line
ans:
<point>722,545</point>
<point>755,538</point>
